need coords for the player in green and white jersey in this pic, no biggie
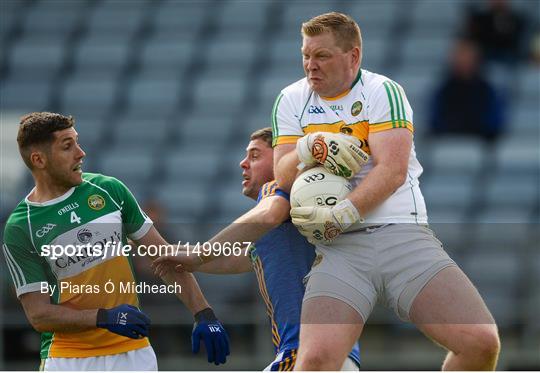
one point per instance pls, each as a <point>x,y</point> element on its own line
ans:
<point>62,245</point>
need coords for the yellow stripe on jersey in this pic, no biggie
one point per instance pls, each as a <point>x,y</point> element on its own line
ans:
<point>259,272</point>
<point>269,189</point>
<point>343,94</point>
<point>378,127</point>
<point>280,140</point>
<point>293,355</point>
<point>96,342</point>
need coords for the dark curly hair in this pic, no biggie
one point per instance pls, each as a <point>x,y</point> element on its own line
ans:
<point>37,129</point>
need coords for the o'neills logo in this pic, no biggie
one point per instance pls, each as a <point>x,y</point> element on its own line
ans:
<point>96,202</point>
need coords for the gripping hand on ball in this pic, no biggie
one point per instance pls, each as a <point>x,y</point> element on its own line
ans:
<point>322,224</point>
<point>339,153</point>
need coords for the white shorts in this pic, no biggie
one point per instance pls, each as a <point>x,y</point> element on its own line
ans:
<point>143,359</point>
<point>389,264</point>
<point>286,360</point>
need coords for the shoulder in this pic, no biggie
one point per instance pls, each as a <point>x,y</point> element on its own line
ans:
<point>298,90</point>
<point>18,216</point>
<point>17,223</point>
<point>102,181</point>
<point>374,82</point>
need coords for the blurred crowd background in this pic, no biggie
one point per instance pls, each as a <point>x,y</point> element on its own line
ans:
<point>166,93</point>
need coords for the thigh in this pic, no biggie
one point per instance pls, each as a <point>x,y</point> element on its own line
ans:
<point>329,328</point>
<point>344,271</point>
<point>409,255</point>
<point>449,308</point>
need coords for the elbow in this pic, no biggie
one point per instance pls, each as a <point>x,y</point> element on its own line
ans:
<point>400,177</point>
<point>37,321</point>
<point>270,219</point>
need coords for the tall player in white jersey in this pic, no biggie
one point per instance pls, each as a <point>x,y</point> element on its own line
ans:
<point>375,245</point>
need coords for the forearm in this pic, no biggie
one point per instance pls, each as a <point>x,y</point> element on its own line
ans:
<point>286,170</point>
<point>379,184</point>
<point>191,294</point>
<point>57,318</point>
<point>227,265</point>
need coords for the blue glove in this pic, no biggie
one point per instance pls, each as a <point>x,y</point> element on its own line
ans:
<point>125,320</point>
<point>215,338</point>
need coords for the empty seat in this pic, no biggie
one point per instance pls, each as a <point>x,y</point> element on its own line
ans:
<point>82,94</point>
<point>437,15</point>
<point>180,16</point>
<point>425,53</point>
<point>235,54</point>
<point>456,154</point>
<point>448,191</point>
<point>274,81</point>
<point>231,202</point>
<point>154,94</point>
<point>168,56</point>
<point>128,163</point>
<point>25,96</point>
<point>53,18</point>
<point>530,83</point>
<point>513,156</point>
<point>190,163</point>
<point>512,191</point>
<point>114,16</point>
<point>286,52</point>
<point>525,119</point>
<point>219,96</point>
<point>37,57</point>
<point>238,17</point>
<point>295,13</point>
<point>374,17</point>
<point>200,128</point>
<point>502,228</point>
<point>144,132</point>
<point>97,53</point>
<point>91,129</point>
<point>184,202</point>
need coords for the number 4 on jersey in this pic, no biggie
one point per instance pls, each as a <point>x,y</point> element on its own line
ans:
<point>74,218</point>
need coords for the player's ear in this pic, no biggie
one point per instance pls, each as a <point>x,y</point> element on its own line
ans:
<point>38,159</point>
<point>356,55</point>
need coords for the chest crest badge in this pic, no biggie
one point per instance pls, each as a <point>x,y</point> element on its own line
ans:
<point>356,108</point>
<point>96,202</point>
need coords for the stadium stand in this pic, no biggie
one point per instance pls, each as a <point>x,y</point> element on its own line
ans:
<point>165,94</point>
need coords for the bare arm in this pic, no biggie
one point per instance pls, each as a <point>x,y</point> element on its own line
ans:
<point>268,214</point>
<point>390,152</point>
<point>47,317</point>
<point>285,162</point>
<point>227,265</point>
<point>191,294</point>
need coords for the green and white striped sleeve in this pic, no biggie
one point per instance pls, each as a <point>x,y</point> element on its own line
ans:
<point>389,108</point>
<point>24,264</point>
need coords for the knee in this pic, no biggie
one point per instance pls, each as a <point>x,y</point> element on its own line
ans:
<point>316,359</point>
<point>483,341</point>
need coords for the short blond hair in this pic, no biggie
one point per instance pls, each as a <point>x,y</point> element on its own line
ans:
<point>345,29</point>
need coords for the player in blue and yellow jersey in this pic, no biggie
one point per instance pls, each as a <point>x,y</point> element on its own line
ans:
<point>91,324</point>
<point>281,257</point>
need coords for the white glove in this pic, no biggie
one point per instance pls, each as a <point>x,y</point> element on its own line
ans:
<point>339,153</point>
<point>321,224</point>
